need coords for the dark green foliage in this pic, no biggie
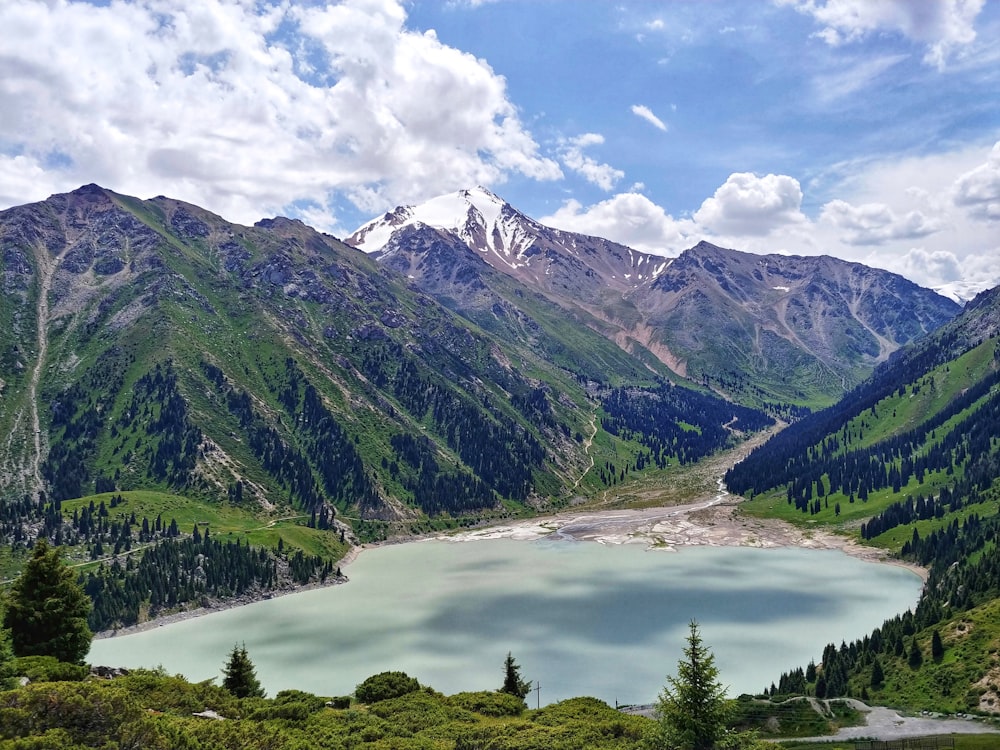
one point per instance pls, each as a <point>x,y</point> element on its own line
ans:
<point>48,669</point>
<point>489,703</point>
<point>239,675</point>
<point>171,573</point>
<point>7,667</point>
<point>385,685</point>
<point>78,713</point>
<point>78,416</point>
<point>801,454</point>
<point>148,709</point>
<point>937,647</point>
<point>512,682</point>
<point>915,658</point>
<point>47,610</point>
<point>692,709</point>
<point>656,418</point>
<point>878,676</point>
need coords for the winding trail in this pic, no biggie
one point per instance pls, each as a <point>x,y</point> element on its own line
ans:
<point>586,448</point>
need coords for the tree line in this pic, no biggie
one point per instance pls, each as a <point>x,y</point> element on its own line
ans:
<point>675,422</point>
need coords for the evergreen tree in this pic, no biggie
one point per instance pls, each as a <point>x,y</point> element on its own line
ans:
<point>915,657</point>
<point>47,610</point>
<point>6,662</point>
<point>240,676</point>
<point>692,709</point>
<point>878,676</point>
<point>512,682</point>
<point>937,647</point>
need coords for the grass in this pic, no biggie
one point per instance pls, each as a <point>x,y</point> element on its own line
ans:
<point>223,520</point>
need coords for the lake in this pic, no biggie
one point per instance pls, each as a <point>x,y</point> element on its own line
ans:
<point>580,618</point>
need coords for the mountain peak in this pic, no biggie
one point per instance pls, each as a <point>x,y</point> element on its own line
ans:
<point>476,215</point>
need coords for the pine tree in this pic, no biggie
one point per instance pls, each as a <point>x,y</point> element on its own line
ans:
<point>47,610</point>
<point>937,647</point>
<point>915,657</point>
<point>240,676</point>
<point>692,709</point>
<point>512,682</point>
<point>878,676</point>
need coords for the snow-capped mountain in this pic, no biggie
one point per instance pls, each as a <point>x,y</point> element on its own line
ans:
<point>511,242</point>
<point>760,328</point>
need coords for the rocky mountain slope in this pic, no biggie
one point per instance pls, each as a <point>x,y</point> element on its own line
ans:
<point>760,329</point>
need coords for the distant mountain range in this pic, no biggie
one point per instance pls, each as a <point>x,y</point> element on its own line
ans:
<point>755,328</point>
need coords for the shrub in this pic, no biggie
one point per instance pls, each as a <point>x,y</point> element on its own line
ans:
<point>48,669</point>
<point>385,685</point>
<point>489,703</point>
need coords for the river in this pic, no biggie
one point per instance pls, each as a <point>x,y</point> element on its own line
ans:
<point>580,618</point>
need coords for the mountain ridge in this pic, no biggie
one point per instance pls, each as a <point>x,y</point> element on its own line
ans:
<point>806,328</point>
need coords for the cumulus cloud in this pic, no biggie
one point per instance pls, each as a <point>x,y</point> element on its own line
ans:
<point>641,110</point>
<point>571,152</point>
<point>249,108</point>
<point>943,25</point>
<point>629,218</point>
<point>877,223</point>
<point>979,189</point>
<point>941,265</point>
<point>752,205</point>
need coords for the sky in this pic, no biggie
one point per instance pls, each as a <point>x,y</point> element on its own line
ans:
<point>864,129</point>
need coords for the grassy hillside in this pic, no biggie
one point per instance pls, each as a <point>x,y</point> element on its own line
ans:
<point>910,462</point>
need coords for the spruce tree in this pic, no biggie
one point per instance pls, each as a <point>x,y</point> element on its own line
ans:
<point>47,610</point>
<point>512,682</point>
<point>692,709</point>
<point>878,676</point>
<point>937,647</point>
<point>240,676</point>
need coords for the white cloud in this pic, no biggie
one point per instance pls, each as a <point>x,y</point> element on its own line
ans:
<point>877,223</point>
<point>979,189</point>
<point>246,108</point>
<point>752,205</point>
<point>943,25</point>
<point>939,264</point>
<point>629,218</point>
<point>881,209</point>
<point>641,110</point>
<point>571,152</point>
<point>842,83</point>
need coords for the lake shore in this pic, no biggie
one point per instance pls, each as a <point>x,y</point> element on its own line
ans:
<point>715,521</point>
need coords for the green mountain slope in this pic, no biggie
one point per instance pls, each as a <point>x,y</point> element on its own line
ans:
<point>151,346</point>
<point>909,461</point>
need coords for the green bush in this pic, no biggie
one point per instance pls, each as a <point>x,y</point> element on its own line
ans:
<point>488,703</point>
<point>313,702</point>
<point>48,669</point>
<point>384,686</point>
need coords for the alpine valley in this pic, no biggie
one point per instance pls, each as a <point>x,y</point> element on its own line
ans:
<point>201,411</point>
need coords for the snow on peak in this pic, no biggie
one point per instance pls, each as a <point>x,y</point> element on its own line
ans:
<point>476,215</point>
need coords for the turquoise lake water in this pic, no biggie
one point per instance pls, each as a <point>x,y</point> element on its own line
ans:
<point>580,618</point>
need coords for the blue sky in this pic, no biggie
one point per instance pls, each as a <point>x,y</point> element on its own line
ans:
<point>865,130</point>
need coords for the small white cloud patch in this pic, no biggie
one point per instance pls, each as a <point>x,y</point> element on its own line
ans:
<point>571,152</point>
<point>641,110</point>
